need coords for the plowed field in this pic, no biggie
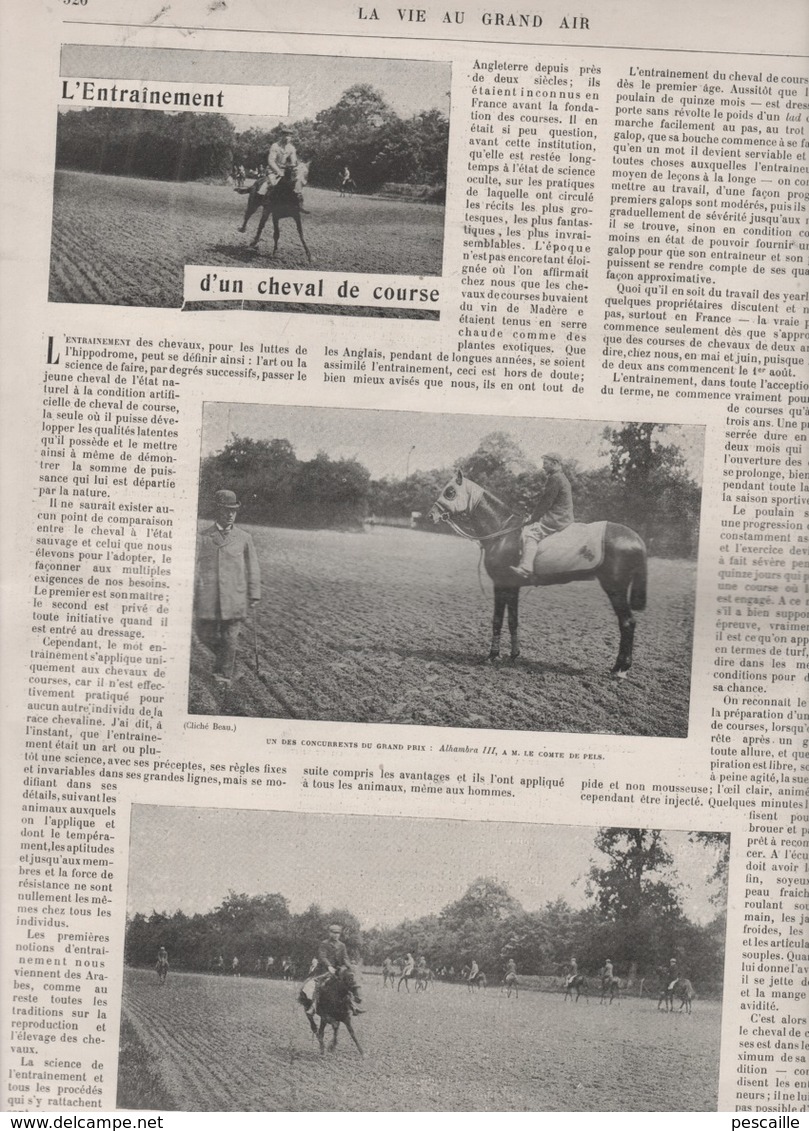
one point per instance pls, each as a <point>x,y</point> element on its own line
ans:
<point>124,241</point>
<point>242,1044</point>
<point>392,626</point>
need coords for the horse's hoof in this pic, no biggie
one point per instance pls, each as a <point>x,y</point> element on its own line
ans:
<point>619,674</point>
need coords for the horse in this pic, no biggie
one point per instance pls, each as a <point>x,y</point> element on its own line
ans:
<point>424,976</point>
<point>681,990</point>
<point>478,982</point>
<point>581,986</point>
<point>510,985</point>
<point>334,1007</point>
<point>388,973</point>
<point>610,988</point>
<point>162,968</point>
<point>280,201</point>
<point>497,529</point>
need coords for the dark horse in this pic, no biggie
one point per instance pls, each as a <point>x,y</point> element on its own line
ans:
<point>334,1007</point>
<point>162,968</point>
<point>622,574</point>
<point>281,201</point>
<point>579,986</point>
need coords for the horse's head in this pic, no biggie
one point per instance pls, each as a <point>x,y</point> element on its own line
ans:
<point>460,496</point>
<point>346,981</point>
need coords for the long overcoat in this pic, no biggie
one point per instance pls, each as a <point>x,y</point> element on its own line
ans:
<point>228,574</point>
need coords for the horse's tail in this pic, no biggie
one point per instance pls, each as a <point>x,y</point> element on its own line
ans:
<point>637,583</point>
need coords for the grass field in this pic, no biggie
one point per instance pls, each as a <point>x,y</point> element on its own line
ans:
<point>124,241</point>
<point>393,626</point>
<point>242,1044</point>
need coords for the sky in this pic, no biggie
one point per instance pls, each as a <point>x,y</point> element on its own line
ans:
<point>392,443</point>
<point>315,81</point>
<point>382,869</point>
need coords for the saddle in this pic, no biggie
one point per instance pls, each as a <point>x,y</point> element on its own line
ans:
<point>579,548</point>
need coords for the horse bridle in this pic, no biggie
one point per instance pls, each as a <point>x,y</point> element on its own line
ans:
<point>444,516</point>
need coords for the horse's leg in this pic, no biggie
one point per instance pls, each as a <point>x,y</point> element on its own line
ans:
<point>335,1025</point>
<point>500,596</point>
<point>250,207</point>
<point>619,599</point>
<point>512,604</point>
<point>276,233</point>
<point>353,1035</point>
<point>265,212</point>
<point>320,1031</point>
<point>299,226</point>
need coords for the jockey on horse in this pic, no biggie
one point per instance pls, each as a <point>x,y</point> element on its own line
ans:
<point>332,957</point>
<point>282,156</point>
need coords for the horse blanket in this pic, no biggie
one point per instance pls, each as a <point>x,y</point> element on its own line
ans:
<point>578,548</point>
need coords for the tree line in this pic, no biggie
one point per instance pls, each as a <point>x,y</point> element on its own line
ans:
<point>145,143</point>
<point>643,483</point>
<point>365,134</point>
<point>634,916</point>
<point>361,132</point>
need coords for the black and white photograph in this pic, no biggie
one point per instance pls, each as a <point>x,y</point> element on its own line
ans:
<point>350,178</point>
<point>281,961</point>
<point>377,566</point>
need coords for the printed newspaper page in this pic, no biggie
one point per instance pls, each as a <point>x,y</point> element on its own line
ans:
<point>405,578</point>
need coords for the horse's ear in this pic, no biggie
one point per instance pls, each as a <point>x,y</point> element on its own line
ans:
<point>459,477</point>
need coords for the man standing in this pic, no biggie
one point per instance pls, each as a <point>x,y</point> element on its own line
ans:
<point>552,513</point>
<point>228,583</point>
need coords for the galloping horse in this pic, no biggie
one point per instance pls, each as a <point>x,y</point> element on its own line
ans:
<point>281,201</point>
<point>333,1008</point>
<point>681,991</point>
<point>581,986</point>
<point>622,574</point>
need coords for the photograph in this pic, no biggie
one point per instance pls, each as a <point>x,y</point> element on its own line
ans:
<point>376,566</point>
<point>280,961</point>
<point>352,178</point>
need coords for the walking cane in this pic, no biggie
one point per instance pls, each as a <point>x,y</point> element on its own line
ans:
<point>255,641</point>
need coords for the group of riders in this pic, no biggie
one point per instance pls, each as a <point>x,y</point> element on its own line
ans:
<point>332,961</point>
<point>670,977</point>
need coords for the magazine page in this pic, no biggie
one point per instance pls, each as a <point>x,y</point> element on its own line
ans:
<point>405,620</point>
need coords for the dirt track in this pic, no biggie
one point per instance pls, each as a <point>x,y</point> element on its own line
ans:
<point>392,626</point>
<point>242,1044</point>
<point>124,241</point>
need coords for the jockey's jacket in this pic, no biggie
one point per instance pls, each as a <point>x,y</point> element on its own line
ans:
<point>332,952</point>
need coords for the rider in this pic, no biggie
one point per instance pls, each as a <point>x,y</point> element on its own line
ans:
<point>474,971</point>
<point>673,974</point>
<point>511,969</point>
<point>332,958</point>
<point>552,513</point>
<point>282,154</point>
<point>162,957</point>
<point>572,971</point>
<point>606,973</point>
